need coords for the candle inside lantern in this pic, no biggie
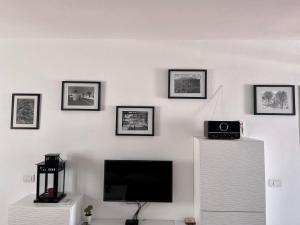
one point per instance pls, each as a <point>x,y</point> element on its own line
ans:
<point>50,192</point>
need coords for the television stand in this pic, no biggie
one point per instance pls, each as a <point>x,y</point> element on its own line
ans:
<point>141,222</point>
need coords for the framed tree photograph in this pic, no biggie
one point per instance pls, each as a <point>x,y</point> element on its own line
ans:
<point>274,100</point>
<point>135,120</point>
<point>81,95</point>
<point>25,111</point>
<point>187,84</point>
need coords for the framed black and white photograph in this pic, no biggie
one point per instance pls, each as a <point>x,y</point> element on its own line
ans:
<point>274,100</point>
<point>187,84</point>
<point>25,111</point>
<point>135,120</point>
<point>80,95</point>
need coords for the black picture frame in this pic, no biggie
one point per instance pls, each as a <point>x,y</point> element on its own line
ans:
<point>258,100</point>
<point>120,127</point>
<point>28,108</point>
<point>200,73</point>
<point>84,104</point>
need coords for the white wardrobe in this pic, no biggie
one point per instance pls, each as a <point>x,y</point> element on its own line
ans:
<point>229,182</point>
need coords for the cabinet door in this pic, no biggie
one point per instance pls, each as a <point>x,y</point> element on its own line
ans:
<point>42,215</point>
<point>231,218</point>
<point>232,175</point>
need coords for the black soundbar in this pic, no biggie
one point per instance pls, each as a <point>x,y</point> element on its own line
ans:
<point>222,129</point>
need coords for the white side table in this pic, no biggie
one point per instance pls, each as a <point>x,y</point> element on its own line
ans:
<point>25,212</point>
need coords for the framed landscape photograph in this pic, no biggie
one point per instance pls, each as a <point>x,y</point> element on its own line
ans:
<point>25,111</point>
<point>135,120</point>
<point>80,95</point>
<point>274,100</point>
<point>187,84</point>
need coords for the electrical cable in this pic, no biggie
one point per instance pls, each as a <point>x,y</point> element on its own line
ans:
<point>140,206</point>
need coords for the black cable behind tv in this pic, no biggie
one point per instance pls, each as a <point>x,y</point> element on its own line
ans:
<point>135,220</point>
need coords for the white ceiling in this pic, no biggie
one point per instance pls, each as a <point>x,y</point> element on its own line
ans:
<point>151,19</point>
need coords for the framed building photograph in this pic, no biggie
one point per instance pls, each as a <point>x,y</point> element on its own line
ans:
<point>274,100</point>
<point>80,95</point>
<point>135,120</point>
<point>187,84</point>
<point>25,111</point>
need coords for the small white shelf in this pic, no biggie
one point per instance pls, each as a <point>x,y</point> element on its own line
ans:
<point>25,212</point>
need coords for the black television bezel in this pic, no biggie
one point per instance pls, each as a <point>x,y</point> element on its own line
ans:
<point>109,160</point>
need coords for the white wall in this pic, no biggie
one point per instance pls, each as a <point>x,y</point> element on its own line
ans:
<point>135,73</point>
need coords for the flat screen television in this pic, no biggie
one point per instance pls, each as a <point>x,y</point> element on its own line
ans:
<point>138,181</point>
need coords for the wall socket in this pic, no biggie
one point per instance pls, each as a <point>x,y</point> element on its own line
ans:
<point>29,178</point>
<point>275,183</point>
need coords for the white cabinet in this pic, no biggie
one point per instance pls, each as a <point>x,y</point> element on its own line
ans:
<point>232,218</point>
<point>229,181</point>
<point>25,212</point>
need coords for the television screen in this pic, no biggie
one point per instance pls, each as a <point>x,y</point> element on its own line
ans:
<point>138,180</point>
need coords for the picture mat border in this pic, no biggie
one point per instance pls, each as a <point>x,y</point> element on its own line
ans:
<point>119,118</point>
<point>36,125</point>
<point>268,85</point>
<point>187,70</point>
<point>81,108</point>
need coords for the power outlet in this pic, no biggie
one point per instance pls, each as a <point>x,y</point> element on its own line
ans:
<point>29,178</point>
<point>274,183</point>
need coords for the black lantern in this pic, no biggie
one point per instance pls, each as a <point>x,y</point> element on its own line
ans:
<point>50,185</point>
